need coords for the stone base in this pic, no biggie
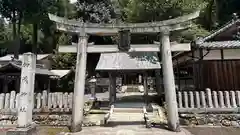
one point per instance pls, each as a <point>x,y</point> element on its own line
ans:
<point>31,130</point>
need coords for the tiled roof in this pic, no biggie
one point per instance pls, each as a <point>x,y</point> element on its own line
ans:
<point>223,28</point>
<point>61,73</point>
<point>128,61</point>
<point>16,65</point>
<point>10,56</point>
<point>220,45</point>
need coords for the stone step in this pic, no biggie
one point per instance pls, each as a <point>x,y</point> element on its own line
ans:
<point>126,117</point>
<point>128,110</point>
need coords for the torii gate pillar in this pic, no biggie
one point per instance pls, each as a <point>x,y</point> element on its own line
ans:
<point>169,82</point>
<point>79,85</point>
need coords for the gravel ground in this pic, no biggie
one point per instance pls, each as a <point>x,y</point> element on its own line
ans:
<point>213,130</point>
<point>44,130</point>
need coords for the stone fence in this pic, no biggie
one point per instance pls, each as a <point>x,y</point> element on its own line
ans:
<point>43,102</point>
<point>55,108</point>
<point>49,109</point>
<point>208,101</point>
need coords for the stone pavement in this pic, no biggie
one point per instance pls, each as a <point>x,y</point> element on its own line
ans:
<point>127,130</point>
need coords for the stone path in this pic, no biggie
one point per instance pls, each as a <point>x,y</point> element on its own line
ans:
<point>127,130</point>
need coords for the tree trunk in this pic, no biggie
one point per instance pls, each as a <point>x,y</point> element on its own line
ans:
<point>19,24</point>
<point>35,37</point>
<point>18,40</point>
<point>14,31</point>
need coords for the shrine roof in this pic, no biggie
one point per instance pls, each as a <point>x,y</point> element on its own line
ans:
<point>16,65</point>
<point>228,25</point>
<point>128,61</point>
<point>220,45</point>
<point>9,57</point>
<point>61,73</point>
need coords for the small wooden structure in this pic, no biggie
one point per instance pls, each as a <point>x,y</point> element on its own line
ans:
<point>214,61</point>
<point>10,72</point>
<point>127,64</point>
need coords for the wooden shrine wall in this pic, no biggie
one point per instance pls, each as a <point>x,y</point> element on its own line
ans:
<point>217,74</point>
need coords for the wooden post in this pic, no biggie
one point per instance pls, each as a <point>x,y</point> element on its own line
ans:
<point>92,84</point>
<point>158,82</point>
<point>79,85</point>
<point>48,85</point>
<point>5,84</point>
<point>26,90</point>
<point>145,87</point>
<point>112,88</point>
<point>169,82</point>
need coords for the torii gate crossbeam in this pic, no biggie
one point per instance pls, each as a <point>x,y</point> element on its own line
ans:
<point>133,48</point>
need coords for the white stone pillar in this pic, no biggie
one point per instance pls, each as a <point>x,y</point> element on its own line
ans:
<point>209,97</point>
<point>49,100</point>
<point>198,103</point>
<point>79,85</point>
<point>191,99</point>
<point>12,99</point>
<point>39,95</point>
<point>215,99</point>
<point>2,96</point>
<point>180,99</point>
<point>44,98</point>
<point>233,99</point>
<point>185,94</point>
<point>227,99</point>
<point>7,101</point>
<point>221,99</point>
<point>26,90</point>
<point>203,99</point>
<point>140,79</point>
<point>169,82</point>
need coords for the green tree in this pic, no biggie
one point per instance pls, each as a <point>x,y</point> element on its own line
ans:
<point>158,10</point>
<point>96,11</point>
<point>12,10</point>
<point>218,12</point>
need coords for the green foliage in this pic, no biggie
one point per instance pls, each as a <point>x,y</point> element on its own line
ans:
<point>156,10</point>
<point>64,61</point>
<point>65,39</point>
<point>187,36</point>
<point>96,11</point>
<point>5,33</point>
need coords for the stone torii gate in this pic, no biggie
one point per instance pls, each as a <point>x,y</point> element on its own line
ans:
<point>162,27</point>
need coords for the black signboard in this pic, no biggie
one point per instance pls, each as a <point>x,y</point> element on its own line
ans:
<point>124,40</point>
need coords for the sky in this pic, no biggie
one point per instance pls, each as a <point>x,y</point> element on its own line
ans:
<point>72,1</point>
